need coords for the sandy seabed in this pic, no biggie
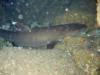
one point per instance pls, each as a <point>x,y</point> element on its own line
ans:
<point>17,61</point>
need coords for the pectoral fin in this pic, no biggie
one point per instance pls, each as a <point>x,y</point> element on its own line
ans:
<point>22,27</point>
<point>51,44</point>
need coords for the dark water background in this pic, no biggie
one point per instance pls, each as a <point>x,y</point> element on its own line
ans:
<point>47,12</point>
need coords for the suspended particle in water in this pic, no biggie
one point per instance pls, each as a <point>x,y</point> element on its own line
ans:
<point>18,10</point>
<point>11,3</point>
<point>47,13</point>
<point>20,16</point>
<point>66,9</point>
<point>27,4</point>
<point>14,23</point>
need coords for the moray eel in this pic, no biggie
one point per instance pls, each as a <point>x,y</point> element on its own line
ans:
<point>42,36</point>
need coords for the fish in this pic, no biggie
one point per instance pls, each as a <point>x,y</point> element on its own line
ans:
<point>47,36</point>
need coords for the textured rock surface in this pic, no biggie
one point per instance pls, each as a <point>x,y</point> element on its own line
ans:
<point>74,57</point>
<point>98,13</point>
<point>37,62</point>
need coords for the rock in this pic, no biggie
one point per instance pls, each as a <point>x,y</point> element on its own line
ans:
<point>74,57</point>
<point>37,62</point>
<point>98,13</point>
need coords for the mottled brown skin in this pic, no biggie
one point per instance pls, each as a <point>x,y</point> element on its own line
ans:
<point>43,36</point>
